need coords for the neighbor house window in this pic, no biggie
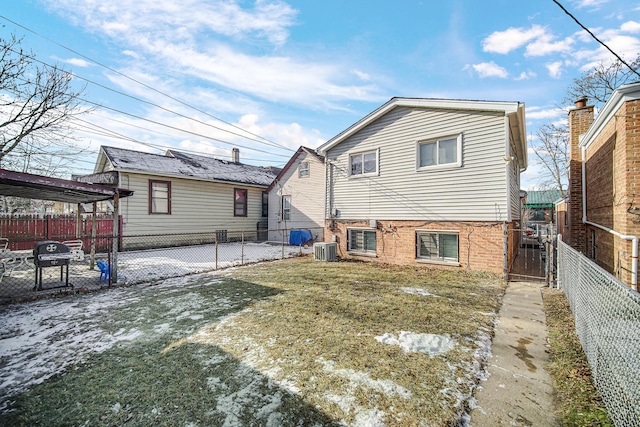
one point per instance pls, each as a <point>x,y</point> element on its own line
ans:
<point>286,208</point>
<point>437,246</point>
<point>442,151</point>
<point>239,202</point>
<point>303,170</point>
<point>265,204</point>
<point>363,163</point>
<point>159,197</point>
<point>361,240</point>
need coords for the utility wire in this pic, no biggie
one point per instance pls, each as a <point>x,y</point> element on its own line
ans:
<point>269,143</point>
<point>141,83</point>
<point>596,38</point>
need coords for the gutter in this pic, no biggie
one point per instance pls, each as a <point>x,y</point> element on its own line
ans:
<point>633,239</point>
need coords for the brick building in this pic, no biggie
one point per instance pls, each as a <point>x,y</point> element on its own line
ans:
<point>604,182</point>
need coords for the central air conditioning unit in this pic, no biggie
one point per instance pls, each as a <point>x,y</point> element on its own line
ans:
<point>325,251</point>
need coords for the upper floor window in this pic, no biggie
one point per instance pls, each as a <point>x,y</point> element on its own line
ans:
<point>443,151</point>
<point>303,170</point>
<point>365,163</point>
<point>159,197</point>
<point>239,202</point>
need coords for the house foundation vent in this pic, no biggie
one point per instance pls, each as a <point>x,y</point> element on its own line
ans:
<point>325,251</point>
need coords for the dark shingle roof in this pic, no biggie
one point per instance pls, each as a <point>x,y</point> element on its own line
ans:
<point>180,164</point>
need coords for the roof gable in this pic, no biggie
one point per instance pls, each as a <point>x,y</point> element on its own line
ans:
<point>184,165</point>
<point>513,109</point>
<point>293,160</point>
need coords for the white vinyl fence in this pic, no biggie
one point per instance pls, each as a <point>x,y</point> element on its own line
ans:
<point>607,319</point>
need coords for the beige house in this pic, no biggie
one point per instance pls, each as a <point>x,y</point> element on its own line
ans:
<point>296,197</point>
<point>185,195</point>
<point>429,182</point>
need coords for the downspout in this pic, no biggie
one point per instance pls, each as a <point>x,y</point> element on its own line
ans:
<point>633,239</point>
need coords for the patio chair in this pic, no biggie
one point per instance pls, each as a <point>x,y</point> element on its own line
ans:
<point>4,244</point>
<point>75,246</point>
<point>105,270</point>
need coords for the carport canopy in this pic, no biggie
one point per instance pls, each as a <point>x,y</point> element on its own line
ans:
<point>38,187</point>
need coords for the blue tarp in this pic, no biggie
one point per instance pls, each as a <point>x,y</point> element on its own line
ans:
<point>300,237</point>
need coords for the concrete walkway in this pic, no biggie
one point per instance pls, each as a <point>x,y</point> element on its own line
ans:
<point>518,391</point>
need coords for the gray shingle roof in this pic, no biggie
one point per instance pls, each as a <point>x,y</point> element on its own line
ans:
<point>177,163</point>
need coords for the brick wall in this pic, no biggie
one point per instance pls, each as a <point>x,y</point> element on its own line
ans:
<point>579,121</point>
<point>480,244</point>
<point>613,184</point>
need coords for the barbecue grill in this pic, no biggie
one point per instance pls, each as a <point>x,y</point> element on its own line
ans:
<point>51,254</point>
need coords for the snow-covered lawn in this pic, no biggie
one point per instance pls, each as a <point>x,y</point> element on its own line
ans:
<point>291,342</point>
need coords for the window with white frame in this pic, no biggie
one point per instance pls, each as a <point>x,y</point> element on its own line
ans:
<point>159,197</point>
<point>240,202</point>
<point>361,240</point>
<point>445,151</point>
<point>303,170</point>
<point>286,208</point>
<point>365,163</point>
<point>437,246</point>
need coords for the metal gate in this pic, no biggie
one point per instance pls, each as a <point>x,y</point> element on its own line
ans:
<point>534,253</point>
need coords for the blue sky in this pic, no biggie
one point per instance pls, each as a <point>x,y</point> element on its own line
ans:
<point>298,73</point>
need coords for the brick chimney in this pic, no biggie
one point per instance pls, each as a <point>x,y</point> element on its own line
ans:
<point>235,155</point>
<point>580,118</point>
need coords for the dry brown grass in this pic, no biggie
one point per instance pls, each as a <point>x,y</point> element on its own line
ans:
<point>282,343</point>
<point>317,334</point>
<point>577,401</point>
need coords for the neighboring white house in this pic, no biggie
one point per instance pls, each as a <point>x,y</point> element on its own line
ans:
<point>296,196</point>
<point>428,181</point>
<point>181,194</point>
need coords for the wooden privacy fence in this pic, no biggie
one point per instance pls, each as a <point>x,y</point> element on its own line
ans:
<point>25,230</point>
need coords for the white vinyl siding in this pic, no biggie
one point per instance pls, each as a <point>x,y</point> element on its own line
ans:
<point>196,206</point>
<point>475,191</point>
<point>307,199</point>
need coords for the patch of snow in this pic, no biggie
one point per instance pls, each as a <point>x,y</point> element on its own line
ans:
<point>369,418</point>
<point>419,291</point>
<point>362,379</point>
<point>410,342</point>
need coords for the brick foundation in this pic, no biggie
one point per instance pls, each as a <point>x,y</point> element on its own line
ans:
<point>480,244</point>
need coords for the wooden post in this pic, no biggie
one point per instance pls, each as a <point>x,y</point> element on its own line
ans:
<point>94,235</point>
<point>78,222</point>
<point>114,245</point>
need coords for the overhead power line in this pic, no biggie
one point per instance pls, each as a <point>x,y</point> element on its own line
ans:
<point>265,140</point>
<point>596,38</point>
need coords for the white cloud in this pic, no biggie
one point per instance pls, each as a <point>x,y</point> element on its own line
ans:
<point>590,3</point>
<point>362,75</point>
<point>511,39</point>
<point>555,69</point>
<point>526,75</point>
<point>544,45</point>
<point>76,62</point>
<point>630,27</point>
<point>537,113</point>
<point>490,69</point>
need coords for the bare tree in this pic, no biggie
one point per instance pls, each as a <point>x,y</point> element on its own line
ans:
<point>599,83</point>
<point>36,103</point>
<point>553,153</point>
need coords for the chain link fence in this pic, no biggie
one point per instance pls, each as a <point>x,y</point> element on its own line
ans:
<point>607,319</point>
<point>79,267</point>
